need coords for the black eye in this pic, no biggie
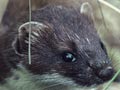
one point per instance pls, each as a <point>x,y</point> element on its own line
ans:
<point>68,57</point>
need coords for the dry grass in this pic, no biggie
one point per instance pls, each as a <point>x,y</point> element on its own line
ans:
<point>3,4</point>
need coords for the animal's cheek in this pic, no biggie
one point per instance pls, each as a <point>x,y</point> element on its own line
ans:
<point>88,72</point>
<point>88,69</point>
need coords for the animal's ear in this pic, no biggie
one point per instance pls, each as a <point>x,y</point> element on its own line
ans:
<point>86,9</point>
<point>29,31</point>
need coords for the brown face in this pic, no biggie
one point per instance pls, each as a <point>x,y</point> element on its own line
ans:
<point>65,42</point>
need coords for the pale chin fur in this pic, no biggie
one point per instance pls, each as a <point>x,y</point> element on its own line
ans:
<point>23,80</point>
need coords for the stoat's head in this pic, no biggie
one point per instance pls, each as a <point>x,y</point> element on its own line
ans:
<point>64,43</point>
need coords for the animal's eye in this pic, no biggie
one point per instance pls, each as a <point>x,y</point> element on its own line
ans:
<point>68,57</point>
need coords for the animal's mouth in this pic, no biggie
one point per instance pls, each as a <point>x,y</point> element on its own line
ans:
<point>105,74</point>
<point>98,79</point>
<point>104,79</point>
<point>102,75</point>
<point>95,81</point>
<point>91,82</point>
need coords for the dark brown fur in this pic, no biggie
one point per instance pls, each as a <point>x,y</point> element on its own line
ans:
<point>67,30</point>
<point>16,8</point>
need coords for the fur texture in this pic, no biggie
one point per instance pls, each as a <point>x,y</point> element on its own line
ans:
<point>62,33</point>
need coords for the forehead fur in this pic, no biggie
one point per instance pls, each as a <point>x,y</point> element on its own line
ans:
<point>66,23</point>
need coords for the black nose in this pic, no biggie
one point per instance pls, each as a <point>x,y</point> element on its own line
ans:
<point>106,73</point>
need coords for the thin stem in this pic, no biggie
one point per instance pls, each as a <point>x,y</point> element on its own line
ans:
<point>102,15</point>
<point>110,5</point>
<point>110,82</point>
<point>29,46</point>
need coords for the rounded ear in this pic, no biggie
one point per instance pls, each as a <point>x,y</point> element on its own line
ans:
<point>86,9</point>
<point>20,44</point>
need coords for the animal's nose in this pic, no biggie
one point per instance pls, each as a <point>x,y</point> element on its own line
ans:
<point>106,73</point>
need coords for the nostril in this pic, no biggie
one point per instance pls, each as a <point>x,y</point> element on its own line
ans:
<point>106,74</point>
